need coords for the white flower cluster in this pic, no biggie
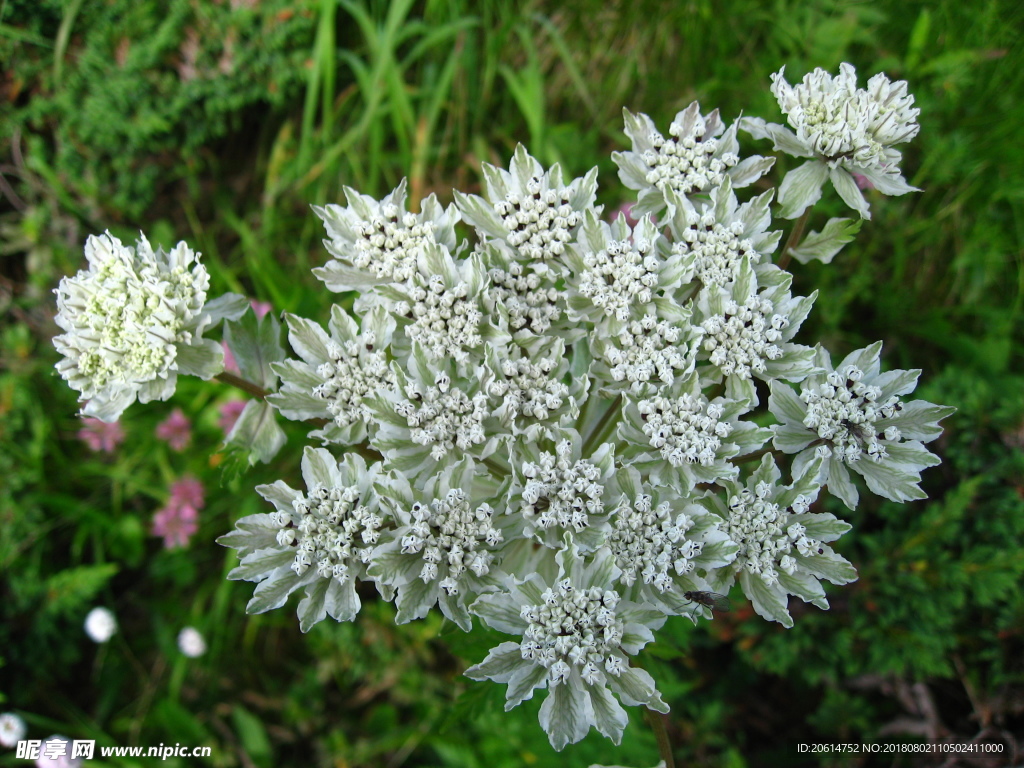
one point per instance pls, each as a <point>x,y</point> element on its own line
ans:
<point>133,320</point>
<point>620,275</point>
<point>561,492</point>
<point>574,627</point>
<point>327,529</point>
<point>845,130</point>
<point>844,124</point>
<point>449,533</point>
<point>764,534</point>
<point>651,543</point>
<point>547,427</point>
<point>742,338</point>
<point>844,410</point>
<point>686,429</point>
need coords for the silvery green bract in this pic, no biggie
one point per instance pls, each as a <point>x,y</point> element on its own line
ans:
<point>557,426</point>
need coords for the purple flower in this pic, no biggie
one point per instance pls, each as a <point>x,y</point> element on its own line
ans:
<point>229,413</point>
<point>101,436</point>
<point>175,430</point>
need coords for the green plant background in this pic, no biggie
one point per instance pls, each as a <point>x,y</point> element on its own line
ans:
<point>220,121</point>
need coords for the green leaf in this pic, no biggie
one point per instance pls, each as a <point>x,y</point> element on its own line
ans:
<point>68,590</point>
<point>824,245</point>
<point>255,344</point>
<point>256,435</point>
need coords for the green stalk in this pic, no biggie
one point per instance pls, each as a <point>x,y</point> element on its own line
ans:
<point>794,238</point>
<point>246,386</point>
<point>657,721</point>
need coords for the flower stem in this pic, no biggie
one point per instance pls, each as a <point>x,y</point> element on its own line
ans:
<point>608,420</point>
<point>238,381</point>
<point>794,238</point>
<point>657,721</point>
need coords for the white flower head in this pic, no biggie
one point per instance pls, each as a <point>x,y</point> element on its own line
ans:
<point>528,388</point>
<point>435,415</point>
<point>853,416</point>
<point>747,332</point>
<point>699,154</point>
<point>664,544</point>
<point>336,372</point>
<point>321,540</point>
<point>616,272</point>
<point>529,209</point>
<point>556,488</point>
<point>713,239</point>
<point>444,548</point>
<point>783,547</point>
<point>845,130</point>
<point>191,642</point>
<point>378,242</point>
<point>529,292</point>
<point>577,634</point>
<point>100,625</point>
<point>12,729</point>
<point>133,321</point>
<point>683,438</point>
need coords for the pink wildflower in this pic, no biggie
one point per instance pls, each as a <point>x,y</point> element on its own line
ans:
<point>230,365</point>
<point>261,308</point>
<point>101,436</point>
<point>178,520</point>
<point>863,181</point>
<point>175,430</point>
<point>187,491</point>
<point>229,413</point>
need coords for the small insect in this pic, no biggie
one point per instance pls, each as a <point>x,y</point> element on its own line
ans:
<point>861,431</point>
<point>712,600</point>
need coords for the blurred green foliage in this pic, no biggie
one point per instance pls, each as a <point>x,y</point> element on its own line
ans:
<point>219,121</point>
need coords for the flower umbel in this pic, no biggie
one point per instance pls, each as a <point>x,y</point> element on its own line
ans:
<point>133,321</point>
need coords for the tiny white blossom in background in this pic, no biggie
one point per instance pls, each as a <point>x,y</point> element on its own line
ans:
<point>133,321</point>
<point>100,625</point>
<point>191,642</point>
<point>846,130</point>
<point>12,729</point>
<point>56,753</point>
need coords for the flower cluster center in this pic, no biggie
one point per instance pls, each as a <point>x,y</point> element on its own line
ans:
<point>444,320</point>
<point>453,538</point>
<point>539,222</point>
<point>529,388</point>
<point>650,543</point>
<point>445,417</point>
<point>532,303</point>
<point>389,242</point>
<point>354,371</point>
<point>742,339</point>
<point>686,164</point>
<point>764,534</point>
<point>574,627</point>
<point>619,276</point>
<point>686,430</point>
<point>646,348</point>
<point>844,410</point>
<point>328,529</point>
<point>560,492</point>
<point>717,249</point>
